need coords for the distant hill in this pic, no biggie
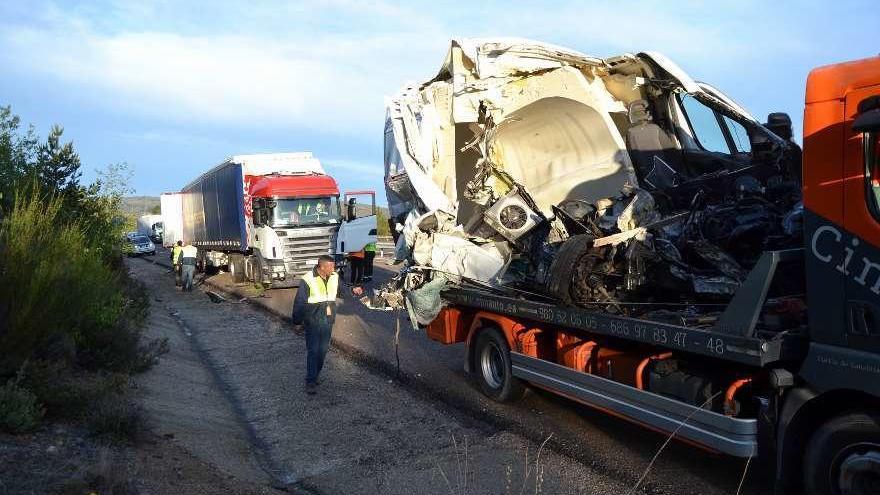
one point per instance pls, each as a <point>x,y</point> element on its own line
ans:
<point>139,205</point>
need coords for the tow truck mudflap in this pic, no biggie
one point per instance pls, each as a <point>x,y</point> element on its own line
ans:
<point>732,436</point>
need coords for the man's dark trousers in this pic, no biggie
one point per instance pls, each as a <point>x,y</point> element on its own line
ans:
<point>357,269</point>
<point>317,343</point>
<point>368,264</point>
<point>187,272</point>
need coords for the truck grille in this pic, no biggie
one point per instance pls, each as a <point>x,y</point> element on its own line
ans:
<point>303,246</point>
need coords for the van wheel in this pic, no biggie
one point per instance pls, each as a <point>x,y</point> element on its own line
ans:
<point>236,268</point>
<point>494,369</point>
<point>566,261</point>
<point>843,456</point>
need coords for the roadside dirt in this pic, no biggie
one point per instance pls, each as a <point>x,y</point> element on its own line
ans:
<point>230,395</point>
<point>63,459</point>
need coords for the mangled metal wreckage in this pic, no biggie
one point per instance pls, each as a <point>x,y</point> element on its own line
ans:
<point>618,184</point>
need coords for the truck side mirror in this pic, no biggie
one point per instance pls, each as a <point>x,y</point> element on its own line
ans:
<point>868,118</point>
<point>779,123</point>
<point>351,204</point>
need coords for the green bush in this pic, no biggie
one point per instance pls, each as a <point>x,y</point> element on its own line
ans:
<point>70,316</point>
<point>68,393</point>
<point>54,283</point>
<point>115,418</point>
<point>19,409</point>
<point>61,299</point>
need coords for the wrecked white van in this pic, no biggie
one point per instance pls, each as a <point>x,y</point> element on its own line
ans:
<point>530,167</point>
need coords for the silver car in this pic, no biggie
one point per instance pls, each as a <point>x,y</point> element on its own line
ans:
<point>141,244</point>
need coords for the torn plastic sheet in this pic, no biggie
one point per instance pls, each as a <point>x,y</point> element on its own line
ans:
<point>424,304</point>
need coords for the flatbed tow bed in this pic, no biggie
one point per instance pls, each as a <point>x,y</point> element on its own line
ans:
<point>745,347</point>
<point>711,430</point>
<point>734,338</point>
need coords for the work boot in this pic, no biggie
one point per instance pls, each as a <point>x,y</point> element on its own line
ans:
<point>311,388</point>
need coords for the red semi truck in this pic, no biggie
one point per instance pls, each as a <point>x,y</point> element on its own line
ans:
<point>267,217</point>
<point>804,396</point>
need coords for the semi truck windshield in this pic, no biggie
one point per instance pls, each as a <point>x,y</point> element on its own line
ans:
<point>306,211</point>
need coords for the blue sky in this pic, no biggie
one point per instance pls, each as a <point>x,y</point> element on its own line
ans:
<point>173,87</point>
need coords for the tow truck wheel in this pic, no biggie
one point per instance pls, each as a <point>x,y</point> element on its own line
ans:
<point>494,369</point>
<point>843,456</point>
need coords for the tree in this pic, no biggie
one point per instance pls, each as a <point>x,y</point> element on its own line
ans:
<point>17,156</point>
<point>156,210</point>
<point>382,227</point>
<point>57,164</point>
<point>53,167</point>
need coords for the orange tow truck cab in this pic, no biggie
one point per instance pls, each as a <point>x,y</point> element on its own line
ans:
<point>807,400</point>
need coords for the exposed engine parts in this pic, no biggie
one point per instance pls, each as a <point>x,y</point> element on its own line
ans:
<point>616,184</point>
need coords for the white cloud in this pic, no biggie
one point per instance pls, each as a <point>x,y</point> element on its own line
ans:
<point>323,66</point>
<point>280,80</point>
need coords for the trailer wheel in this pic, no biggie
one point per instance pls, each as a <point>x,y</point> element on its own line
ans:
<point>254,270</point>
<point>843,456</point>
<point>494,370</point>
<point>236,268</point>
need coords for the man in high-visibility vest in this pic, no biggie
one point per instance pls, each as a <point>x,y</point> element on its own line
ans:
<point>315,309</point>
<point>369,256</point>
<point>176,251</point>
<point>188,256</point>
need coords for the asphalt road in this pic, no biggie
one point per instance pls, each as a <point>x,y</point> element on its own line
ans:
<point>613,447</point>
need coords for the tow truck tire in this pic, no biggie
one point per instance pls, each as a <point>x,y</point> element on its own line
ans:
<point>494,368</point>
<point>843,456</point>
<point>236,268</point>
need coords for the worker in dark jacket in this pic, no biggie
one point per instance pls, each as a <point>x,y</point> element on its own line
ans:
<point>188,258</point>
<point>315,309</point>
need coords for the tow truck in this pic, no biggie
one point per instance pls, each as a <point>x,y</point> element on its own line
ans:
<point>806,398</point>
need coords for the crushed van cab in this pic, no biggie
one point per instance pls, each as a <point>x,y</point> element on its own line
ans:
<point>529,166</point>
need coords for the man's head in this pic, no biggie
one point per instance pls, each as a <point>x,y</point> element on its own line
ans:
<point>326,265</point>
<point>180,243</point>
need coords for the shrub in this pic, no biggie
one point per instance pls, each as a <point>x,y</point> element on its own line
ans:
<point>60,299</point>
<point>19,409</point>
<point>68,393</point>
<point>52,282</point>
<point>115,418</point>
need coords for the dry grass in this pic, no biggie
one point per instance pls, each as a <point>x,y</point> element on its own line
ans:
<point>464,480</point>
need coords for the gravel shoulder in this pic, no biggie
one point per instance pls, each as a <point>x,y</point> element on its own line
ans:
<point>362,433</point>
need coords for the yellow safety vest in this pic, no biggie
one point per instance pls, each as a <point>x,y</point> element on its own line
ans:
<point>176,251</point>
<point>319,291</point>
<point>370,248</point>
